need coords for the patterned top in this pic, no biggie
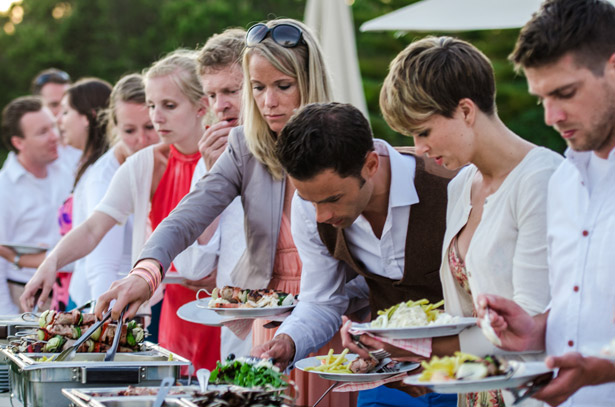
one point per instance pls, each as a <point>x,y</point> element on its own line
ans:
<point>491,398</point>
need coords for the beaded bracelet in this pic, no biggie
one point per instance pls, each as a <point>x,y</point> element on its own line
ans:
<point>143,274</point>
<point>150,273</point>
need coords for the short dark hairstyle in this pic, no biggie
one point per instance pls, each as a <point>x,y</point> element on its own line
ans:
<point>586,28</point>
<point>323,136</point>
<point>12,114</point>
<point>51,75</point>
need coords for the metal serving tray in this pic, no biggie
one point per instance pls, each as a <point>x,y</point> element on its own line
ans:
<point>39,384</point>
<point>108,397</point>
<point>12,324</point>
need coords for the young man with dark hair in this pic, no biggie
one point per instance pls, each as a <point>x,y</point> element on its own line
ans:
<point>567,52</point>
<point>33,185</point>
<point>361,208</point>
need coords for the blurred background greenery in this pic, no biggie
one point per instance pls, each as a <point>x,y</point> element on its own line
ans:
<point>109,38</point>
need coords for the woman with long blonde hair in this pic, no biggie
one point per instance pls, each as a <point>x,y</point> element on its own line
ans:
<point>283,70</point>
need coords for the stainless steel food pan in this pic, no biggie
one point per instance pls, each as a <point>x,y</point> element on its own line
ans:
<point>36,383</point>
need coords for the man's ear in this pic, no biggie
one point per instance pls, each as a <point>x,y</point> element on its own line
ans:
<point>372,162</point>
<point>17,142</point>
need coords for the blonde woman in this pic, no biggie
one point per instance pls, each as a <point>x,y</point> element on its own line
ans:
<point>157,176</point>
<point>283,70</point>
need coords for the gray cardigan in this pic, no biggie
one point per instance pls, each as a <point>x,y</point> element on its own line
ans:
<point>236,172</point>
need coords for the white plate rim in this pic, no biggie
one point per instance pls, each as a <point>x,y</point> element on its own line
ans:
<point>417,332</point>
<point>526,372</point>
<point>350,377</point>
<point>191,312</point>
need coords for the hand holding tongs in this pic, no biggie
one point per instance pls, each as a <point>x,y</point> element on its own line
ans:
<point>69,353</point>
<point>110,355</point>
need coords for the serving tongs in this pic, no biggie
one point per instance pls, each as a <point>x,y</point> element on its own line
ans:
<point>69,353</point>
<point>110,355</point>
<point>530,388</point>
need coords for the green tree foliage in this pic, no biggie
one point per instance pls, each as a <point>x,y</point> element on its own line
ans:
<point>109,38</point>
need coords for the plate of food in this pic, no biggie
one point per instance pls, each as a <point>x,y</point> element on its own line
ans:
<point>349,367</point>
<point>247,303</point>
<point>464,373</point>
<point>22,249</point>
<point>413,320</point>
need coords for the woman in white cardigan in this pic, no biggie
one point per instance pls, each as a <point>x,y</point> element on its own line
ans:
<point>441,91</point>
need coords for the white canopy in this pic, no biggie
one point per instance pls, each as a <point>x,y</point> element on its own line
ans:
<point>456,15</point>
<point>331,21</point>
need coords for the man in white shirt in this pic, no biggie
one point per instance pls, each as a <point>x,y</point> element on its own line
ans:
<point>222,78</point>
<point>358,210</point>
<point>567,51</point>
<point>33,185</point>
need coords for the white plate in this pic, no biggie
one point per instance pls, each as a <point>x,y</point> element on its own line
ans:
<point>22,249</point>
<point>173,277</point>
<point>524,373</point>
<point>192,313</point>
<point>416,332</point>
<point>246,312</point>
<point>352,377</point>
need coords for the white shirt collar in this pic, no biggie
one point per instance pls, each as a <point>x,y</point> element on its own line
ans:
<point>13,168</point>
<point>402,192</point>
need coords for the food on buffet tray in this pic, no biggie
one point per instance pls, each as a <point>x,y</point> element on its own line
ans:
<point>235,297</point>
<point>238,398</point>
<point>413,314</point>
<point>463,366</point>
<point>60,330</point>
<point>136,391</point>
<point>248,372</point>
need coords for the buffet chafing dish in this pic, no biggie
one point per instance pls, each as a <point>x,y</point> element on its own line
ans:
<point>110,397</point>
<point>11,325</point>
<point>38,383</point>
<point>184,396</point>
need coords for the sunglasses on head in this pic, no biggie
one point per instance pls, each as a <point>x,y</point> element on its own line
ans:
<point>50,76</point>
<point>286,35</point>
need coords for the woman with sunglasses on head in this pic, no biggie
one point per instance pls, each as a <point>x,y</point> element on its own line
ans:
<point>156,177</point>
<point>283,70</point>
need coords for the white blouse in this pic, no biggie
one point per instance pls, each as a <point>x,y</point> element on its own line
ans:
<point>507,255</point>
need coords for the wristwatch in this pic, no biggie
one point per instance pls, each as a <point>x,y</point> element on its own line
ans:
<point>16,261</point>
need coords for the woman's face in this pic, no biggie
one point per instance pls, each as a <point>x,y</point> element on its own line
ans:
<point>277,95</point>
<point>176,119</point>
<point>73,125</point>
<point>134,126</point>
<point>448,141</point>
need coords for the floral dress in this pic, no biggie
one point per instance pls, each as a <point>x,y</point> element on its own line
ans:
<point>491,398</point>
